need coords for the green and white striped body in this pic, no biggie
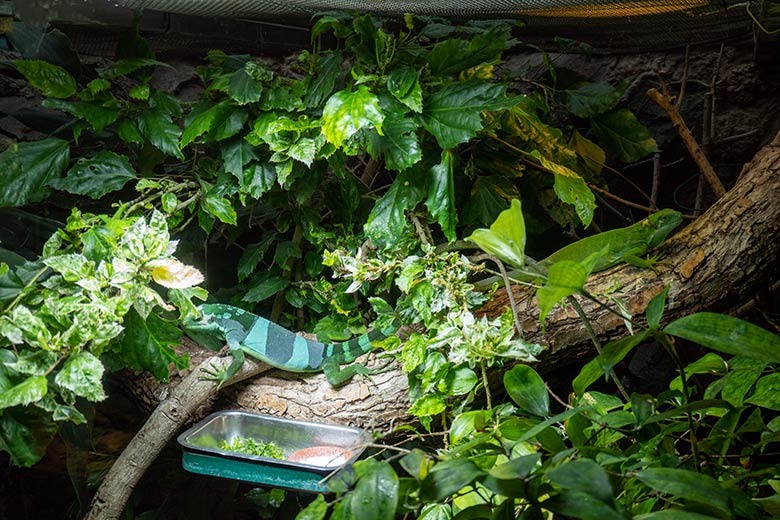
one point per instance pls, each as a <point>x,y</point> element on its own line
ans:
<point>275,345</point>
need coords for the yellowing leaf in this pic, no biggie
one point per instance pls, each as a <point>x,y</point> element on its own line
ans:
<point>173,274</point>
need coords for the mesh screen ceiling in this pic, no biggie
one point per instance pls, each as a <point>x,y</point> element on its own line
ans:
<point>603,23</point>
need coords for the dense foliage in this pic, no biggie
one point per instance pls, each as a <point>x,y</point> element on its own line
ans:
<point>342,181</point>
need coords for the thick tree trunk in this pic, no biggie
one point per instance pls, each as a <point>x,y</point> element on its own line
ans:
<point>718,262</point>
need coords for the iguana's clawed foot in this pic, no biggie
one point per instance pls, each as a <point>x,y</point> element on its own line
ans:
<point>215,373</point>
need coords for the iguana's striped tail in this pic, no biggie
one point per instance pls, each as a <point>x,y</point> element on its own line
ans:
<point>281,348</point>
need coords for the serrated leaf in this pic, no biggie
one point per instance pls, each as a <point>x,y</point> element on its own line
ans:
<point>258,179</point>
<point>398,143</point>
<point>453,115</point>
<point>264,286</point>
<point>404,84</point>
<point>386,224</point>
<point>103,173</point>
<point>161,132</point>
<point>82,374</point>
<point>490,195</point>
<point>236,155</point>
<point>28,391</point>
<point>98,116</point>
<point>27,168</point>
<point>323,81</point>
<point>204,121</point>
<point>243,88</point>
<point>441,195</point>
<point>621,133</point>
<point>253,254</point>
<point>527,390</point>
<point>727,334</point>
<point>506,236</point>
<point>127,130</point>
<point>165,102</point>
<point>345,113</point>
<point>140,92</point>
<point>149,345</point>
<point>51,80</point>
<point>303,150</point>
<point>221,208</point>
<point>25,433</point>
<point>587,99</point>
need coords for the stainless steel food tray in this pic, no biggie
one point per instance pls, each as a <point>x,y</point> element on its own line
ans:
<point>202,454</point>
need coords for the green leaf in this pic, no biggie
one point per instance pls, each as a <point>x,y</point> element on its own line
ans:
<point>527,390</point>
<point>612,354</point>
<point>221,208</point>
<point>27,168</point>
<point>324,79</point>
<point>441,195</point>
<point>428,406</point>
<point>237,154</point>
<point>673,514</point>
<point>591,99</point>
<point>386,224</point>
<point>585,476</point>
<point>574,191</point>
<point>140,92</point>
<point>507,479</point>
<point>128,66</point>
<point>165,102</point>
<point>399,143</point>
<point>345,113</point>
<point>253,254</point>
<point>576,504</point>
<point>28,391</point>
<point>25,433</point>
<point>149,345</point>
<point>204,121</point>
<point>98,116</point>
<point>767,392</point>
<point>564,278</point>
<point>127,130</point>
<point>727,334</point>
<point>264,286</point>
<point>51,80</point>
<point>435,512</point>
<point>161,132</point>
<point>81,374</point>
<point>689,485</point>
<point>303,150</point>
<point>453,114</point>
<point>376,494</point>
<point>447,478</point>
<point>103,173</point>
<point>620,132</point>
<point>316,510</point>
<point>655,309</point>
<point>258,179</point>
<point>243,88</point>
<point>404,84</point>
<point>506,236</point>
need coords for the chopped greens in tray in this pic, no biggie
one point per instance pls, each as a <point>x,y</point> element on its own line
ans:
<point>252,447</point>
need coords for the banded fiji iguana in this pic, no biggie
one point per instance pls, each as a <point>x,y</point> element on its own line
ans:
<point>270,343</point>
<point>623,245</point>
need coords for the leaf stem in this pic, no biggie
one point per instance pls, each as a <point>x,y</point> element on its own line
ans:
<point>27,286</point>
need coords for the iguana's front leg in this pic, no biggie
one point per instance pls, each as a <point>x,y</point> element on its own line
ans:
<point>233,333</point>
<point>337,376</point>
<point>223,374</point>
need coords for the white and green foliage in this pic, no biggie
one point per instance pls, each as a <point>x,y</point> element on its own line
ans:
<point>267,149</point>
<point>87,300</point>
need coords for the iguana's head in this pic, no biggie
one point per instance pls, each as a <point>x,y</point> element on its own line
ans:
<point>661,224</point>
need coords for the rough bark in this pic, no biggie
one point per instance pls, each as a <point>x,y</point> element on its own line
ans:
<point>718,262</point>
